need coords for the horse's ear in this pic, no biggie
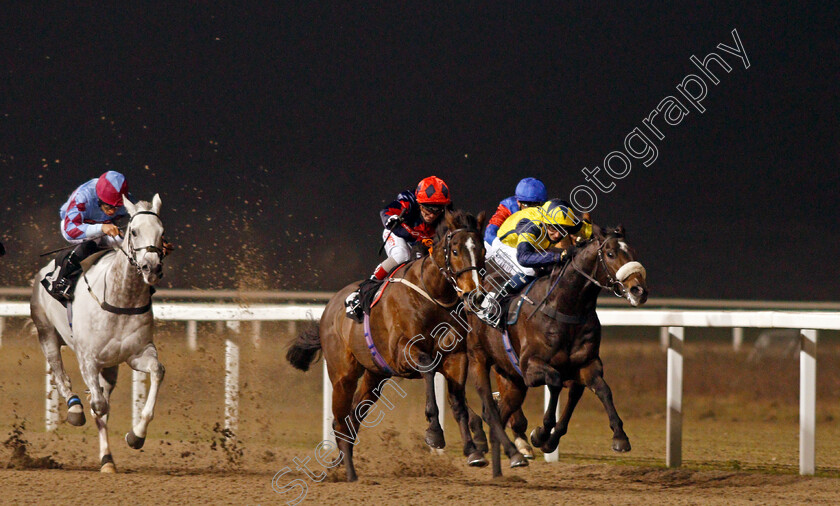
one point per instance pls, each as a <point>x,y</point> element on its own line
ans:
<point>481,216</point>
<point>156,203</point>
<point>129,206</point>
<point>597,231</point>
<point>619,230</point>
<point>451,224</point>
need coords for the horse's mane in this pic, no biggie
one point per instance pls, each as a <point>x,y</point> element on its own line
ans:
<point>616,232</point>
<point>461,218</point>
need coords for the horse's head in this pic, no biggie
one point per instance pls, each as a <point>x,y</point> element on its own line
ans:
<point>143,242</point>
<point>621,272</point>
<point>459,249</point>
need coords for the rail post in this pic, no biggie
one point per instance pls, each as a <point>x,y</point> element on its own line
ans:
<point>673,450</point>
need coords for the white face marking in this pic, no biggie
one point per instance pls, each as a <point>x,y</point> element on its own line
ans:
<point>471,249</point>
<point>623,246</point>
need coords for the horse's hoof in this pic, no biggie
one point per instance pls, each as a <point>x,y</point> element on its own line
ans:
<point>435,439</point>
<point>76,415</point>
<point>621,445</point>
<point>108,466</point>
<point>134,441</point>
<point>517,460</point>
<point>538,437</point>
<point>549,447</point>
<point>476,459</point>
<point>524,448</point>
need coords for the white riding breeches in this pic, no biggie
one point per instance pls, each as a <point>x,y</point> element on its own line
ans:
<point>505,257</point>
<point>396,247</point>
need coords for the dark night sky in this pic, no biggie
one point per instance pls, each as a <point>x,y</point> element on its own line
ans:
<point>274,134</point>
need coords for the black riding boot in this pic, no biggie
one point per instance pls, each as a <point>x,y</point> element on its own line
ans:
<point>491,311</point>
<point>71,266</point>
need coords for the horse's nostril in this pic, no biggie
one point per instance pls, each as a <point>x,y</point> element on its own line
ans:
<point>636,290</point>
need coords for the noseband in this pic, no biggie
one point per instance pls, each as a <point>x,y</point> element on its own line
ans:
<point>132,257</point>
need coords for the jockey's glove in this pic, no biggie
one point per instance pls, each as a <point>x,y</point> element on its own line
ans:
<point>393,222</point>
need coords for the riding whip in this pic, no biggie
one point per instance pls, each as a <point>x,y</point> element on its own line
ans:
<point>391,231</point>
<point>74,245</point>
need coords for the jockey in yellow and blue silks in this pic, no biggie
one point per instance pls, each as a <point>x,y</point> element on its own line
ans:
<point>522,246</point>
<point>530,192</point>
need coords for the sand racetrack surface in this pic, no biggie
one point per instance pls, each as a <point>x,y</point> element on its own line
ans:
<point>740,437</point>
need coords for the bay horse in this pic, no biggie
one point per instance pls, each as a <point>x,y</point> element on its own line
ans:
<point>556,342</point>
<point>109,322</point>
<point>416,330</point>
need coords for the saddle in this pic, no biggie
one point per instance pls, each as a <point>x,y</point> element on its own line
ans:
<point>72,276</point>
<point>507,304</point>
<point>370,290</point>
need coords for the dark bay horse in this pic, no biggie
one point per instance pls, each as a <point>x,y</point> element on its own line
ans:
<point>417,328</point>
<point>556,341</point>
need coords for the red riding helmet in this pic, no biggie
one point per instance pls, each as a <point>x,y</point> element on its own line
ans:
<point>432,190</point>
<point>111,187</point>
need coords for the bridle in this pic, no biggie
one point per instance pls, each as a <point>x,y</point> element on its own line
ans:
<point>447,273</point>
<point>613,284</point>
<point>132,255</point>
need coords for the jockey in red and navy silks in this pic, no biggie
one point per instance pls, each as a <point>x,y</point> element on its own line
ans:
<point>87,221</point>
<point>530,192</point>
<point>412,217</point>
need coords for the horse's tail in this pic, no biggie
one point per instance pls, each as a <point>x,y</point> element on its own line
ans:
<point>305,348</point>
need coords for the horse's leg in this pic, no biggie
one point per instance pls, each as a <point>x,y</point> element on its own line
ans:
<point>344,426</point>
<point>481,374</point>
<point>538,372</point>
<point>90,370</point>
<point>477,428</point>
<point>541,433</point>
<point>593,377</point>
<point>455,371</point>
<point>48,338</point>
<point>511,397</point>
<point>146,361</point>
<point>575,392</point>
<point>108,380</point>
<point>434,433</point>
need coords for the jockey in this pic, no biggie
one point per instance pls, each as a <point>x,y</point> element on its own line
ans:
<point>87,220</point>
<point>530,192</point>
<point>413,217</point>
<point>522,248</point>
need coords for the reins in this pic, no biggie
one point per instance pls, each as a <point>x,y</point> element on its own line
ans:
<point>132,259</point>
<point>448,275</point>
<point>615,285</point>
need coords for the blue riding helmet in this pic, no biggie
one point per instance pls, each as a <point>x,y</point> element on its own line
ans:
<point>531,190</point>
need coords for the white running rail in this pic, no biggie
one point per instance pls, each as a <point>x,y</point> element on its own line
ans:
<point>672,320</point>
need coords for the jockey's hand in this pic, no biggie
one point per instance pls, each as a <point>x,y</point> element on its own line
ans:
<point>392,222</point>
<point>111,230</point>
<point>167,248</point>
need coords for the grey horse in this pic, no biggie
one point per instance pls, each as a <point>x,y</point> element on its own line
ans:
<point>109,322</point>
